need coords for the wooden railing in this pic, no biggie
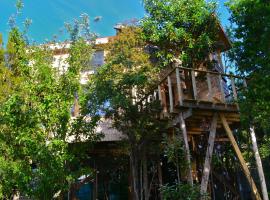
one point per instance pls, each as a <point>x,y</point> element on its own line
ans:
<point>182,85</point>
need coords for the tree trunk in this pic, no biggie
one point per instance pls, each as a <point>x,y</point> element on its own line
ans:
<point>259,164</point>
<point>145,177</point>
<point>159,169</point>
<point>134,171</point>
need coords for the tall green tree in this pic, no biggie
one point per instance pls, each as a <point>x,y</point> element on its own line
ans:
<point>119,92</point>
<point>251,54</point>
<point>36,157</point>
<point>182,29</point>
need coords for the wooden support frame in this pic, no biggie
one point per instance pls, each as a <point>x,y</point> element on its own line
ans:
<point>209,153</point>
<point>240,157</point>
<point>188,157</point>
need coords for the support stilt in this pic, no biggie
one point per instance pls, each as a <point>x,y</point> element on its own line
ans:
<point>240,157</point>
<point>188,157</point>
<point>208,156</point>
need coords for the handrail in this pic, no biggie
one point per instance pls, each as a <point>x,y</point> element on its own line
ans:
<point>199,70</point>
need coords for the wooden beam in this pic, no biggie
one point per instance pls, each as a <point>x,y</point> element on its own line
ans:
<point>163,99</point>
<point>179,88</point>
<point>194,87</point>
<point>240,157</point>
<point>188,157</point>
<point>170,93</point>
<point>159,94</point>
<point>233,89</point>
<point>221,88</point>
<point>209,84</point>
<point>209,153</point>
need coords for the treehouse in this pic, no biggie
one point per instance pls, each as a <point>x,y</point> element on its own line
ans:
<point>203,104</point>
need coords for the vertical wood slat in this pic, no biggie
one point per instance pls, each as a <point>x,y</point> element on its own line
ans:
<point>209,153</point>
<point>240,157</point>
<point>210,90</point>
<point>179,88</point>
<point>170,93</point>
<point>193,80</point>
<point>159,94</point>
<point>233,88</point>
<point>221,88</point>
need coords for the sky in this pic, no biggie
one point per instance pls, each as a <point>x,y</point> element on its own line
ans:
<point>48,16</point>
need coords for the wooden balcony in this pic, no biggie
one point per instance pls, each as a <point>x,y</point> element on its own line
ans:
<point>197,95</point>
<point>183,88</point>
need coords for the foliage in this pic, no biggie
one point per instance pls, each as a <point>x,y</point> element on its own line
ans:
<point>181,192</point>
<point>174,149</point>
<point>119,91</point>
<point>127,71</point>
<point>250,32</point>
<point>251,54</point>
<point>35,119</point>
<point>182,29</point>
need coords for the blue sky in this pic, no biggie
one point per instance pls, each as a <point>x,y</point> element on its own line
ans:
<point>49,16</point>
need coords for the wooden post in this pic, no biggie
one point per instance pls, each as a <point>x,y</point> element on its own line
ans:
<point>259,164</point>
<point>163,98</point>
<point>179,88</point>
<point>159,94</point>
<point>221,89</point>
<point>208,157</point>
<point>194,87</point>
<point>210,90</point>
<point>188,157</point>
<point>170,93</point>
<point>240,157</point>
<point>233,89</point>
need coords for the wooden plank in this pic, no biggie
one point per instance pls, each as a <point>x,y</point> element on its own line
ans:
<point>221,88</point>
<point>163,99</point>
<point>170,93</point>
<point>210,90</point>
<point>179,88</point>
<point>188,157</point>
<point>233,89</point>
<point>159,94</point>
<point>209,153</point>
<point>240,157</point>
<point>194,87</point>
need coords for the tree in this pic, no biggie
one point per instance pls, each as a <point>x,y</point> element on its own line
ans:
<point>251,55</point>
<point>181,29</point>
<point>119,91</point>
<point>35,121</point>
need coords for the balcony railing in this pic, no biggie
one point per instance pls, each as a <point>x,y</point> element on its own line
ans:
<point>185,87</point>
